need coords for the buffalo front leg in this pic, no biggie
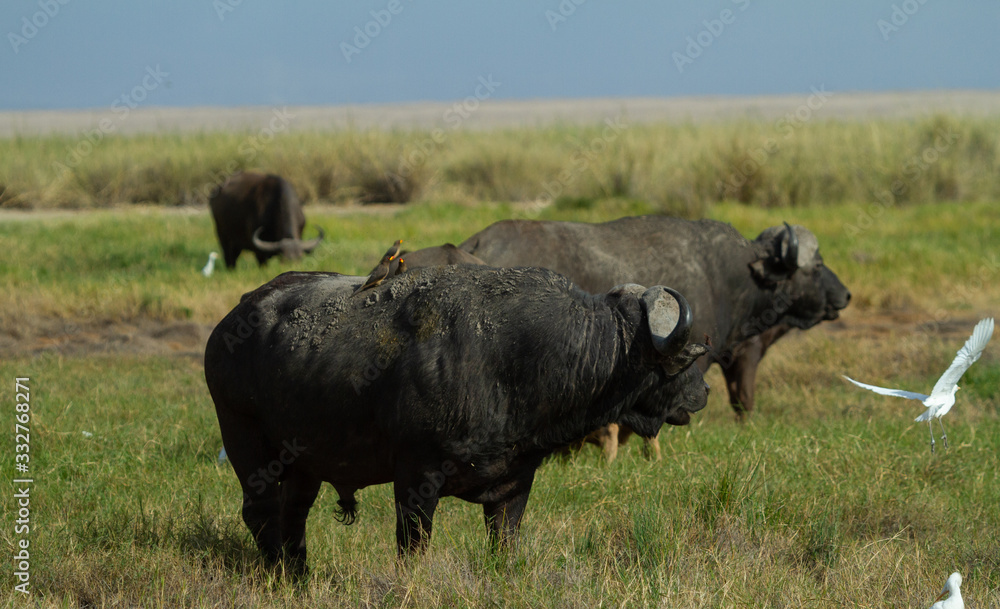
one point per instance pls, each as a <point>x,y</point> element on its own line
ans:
<point>416,500</point>
<point>741,374</point>
<point>298,493</point>
<point>230,255</point>
<point>651,447</point>
<point>740,378</point>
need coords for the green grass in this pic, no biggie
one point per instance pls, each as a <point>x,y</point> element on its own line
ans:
<point>679,168</point>
<point>927,260</point>
<point>828,497</point>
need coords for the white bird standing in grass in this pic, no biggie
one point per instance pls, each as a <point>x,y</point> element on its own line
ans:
<point>942,397</point>
<point>210,265</point>
<point>955,600</point>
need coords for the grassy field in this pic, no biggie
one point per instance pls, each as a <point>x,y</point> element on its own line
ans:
<point>800,159</point>
<point>828,497</point>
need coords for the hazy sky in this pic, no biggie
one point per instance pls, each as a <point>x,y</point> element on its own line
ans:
<point>88,54</point>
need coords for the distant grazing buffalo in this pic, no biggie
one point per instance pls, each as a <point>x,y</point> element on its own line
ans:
<point>445,381</point>
<point>260,213</point>
<point>744,294</point>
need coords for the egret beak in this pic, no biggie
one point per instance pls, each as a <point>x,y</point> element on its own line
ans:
<point>942,595</point>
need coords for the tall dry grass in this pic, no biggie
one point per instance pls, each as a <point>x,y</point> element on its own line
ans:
<point>678,168</point>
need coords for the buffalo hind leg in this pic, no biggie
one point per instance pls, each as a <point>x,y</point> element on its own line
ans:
<point>251,456</point>
<point>416,500</point>
<point>298,493</point>
<point>503,517</point>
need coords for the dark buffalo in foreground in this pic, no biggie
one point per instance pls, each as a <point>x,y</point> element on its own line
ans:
<point>260,213</point>
<point>445,381</point>
<point>744,294</point>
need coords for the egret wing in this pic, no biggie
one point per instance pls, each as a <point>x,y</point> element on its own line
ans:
<point>966,356</point>
<point>899,393</point>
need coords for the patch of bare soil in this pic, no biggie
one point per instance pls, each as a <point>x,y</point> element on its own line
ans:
<point>37,335</point>
<point>132,337</point>
<point>884,323</point>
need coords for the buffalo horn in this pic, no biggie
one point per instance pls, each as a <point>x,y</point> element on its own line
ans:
<point>309,246</point>
<point>790,255</point>
<point>264,246</point>
<point>669,318</point>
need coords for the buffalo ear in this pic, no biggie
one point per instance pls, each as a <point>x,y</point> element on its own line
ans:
<point>687,357</point>
<point>615,294</point>
<point>787,249</point>
<point>783,262</point>
<point>668,316</point>
<point>691,353</point>
<point>766,273</point>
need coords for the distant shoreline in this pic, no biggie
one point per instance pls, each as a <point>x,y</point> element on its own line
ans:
<point>494,114</point>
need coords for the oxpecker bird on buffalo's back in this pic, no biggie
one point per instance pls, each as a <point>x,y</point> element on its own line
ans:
<point>388,266</point>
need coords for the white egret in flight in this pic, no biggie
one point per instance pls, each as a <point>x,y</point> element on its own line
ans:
<point>942,397</point>
<point>955,600</point>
